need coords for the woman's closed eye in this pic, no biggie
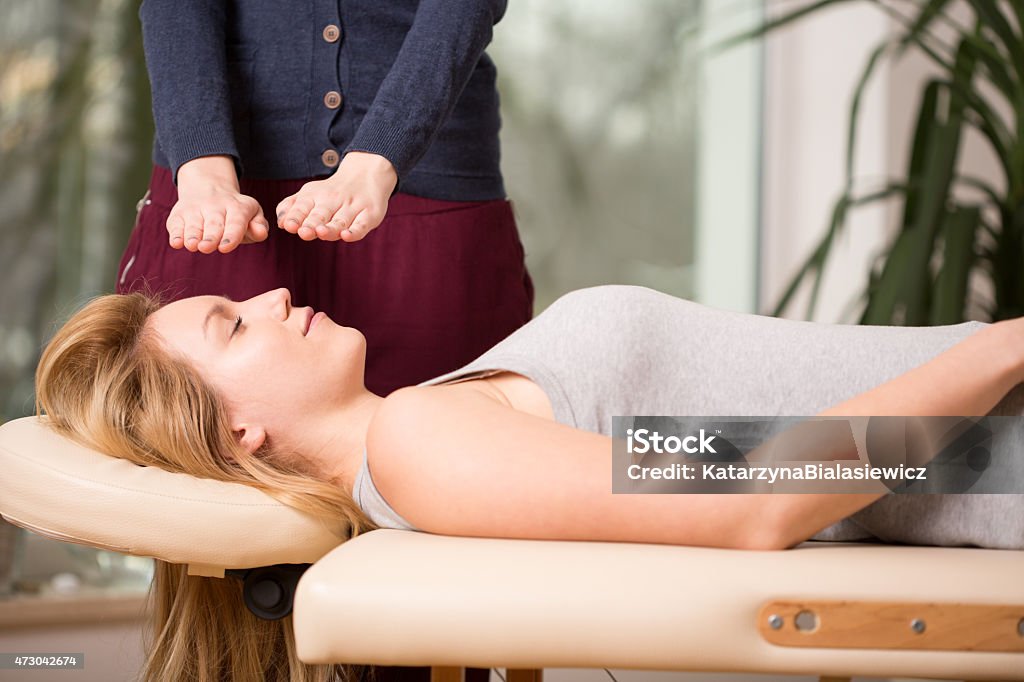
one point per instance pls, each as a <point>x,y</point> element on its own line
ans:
<point>238,323</point>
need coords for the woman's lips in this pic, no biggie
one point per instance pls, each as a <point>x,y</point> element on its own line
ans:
<point>313,320</point>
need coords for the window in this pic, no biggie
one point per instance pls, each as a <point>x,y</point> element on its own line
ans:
<point>629,156</point>
<point>75,131</point>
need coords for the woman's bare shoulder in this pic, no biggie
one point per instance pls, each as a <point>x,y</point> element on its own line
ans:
<point>407,407</point>
<point>413,406</point>
<point>461,462</point>
<point>424,421</point>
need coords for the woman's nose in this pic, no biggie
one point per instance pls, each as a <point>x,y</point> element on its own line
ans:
<point>283,294</point>
<point>282,300</point>
<point>278,301</point>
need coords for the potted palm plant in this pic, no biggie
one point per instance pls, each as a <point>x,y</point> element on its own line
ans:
<point>924,276</point>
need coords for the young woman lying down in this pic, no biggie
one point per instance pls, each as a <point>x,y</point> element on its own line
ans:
<point>517,443</point>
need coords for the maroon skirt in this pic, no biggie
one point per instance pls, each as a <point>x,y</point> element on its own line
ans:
<point>433,287</point>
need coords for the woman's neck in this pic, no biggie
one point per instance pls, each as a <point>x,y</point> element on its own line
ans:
<point>333,441</point>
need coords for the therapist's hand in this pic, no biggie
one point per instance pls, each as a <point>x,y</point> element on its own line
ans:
<point>211,214</point>
<point>347,206</point>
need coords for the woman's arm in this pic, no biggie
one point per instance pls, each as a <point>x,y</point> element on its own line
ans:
<point>968,379</point>
<point>452,461</point>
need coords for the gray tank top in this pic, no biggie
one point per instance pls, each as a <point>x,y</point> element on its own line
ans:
<point>627,350</point>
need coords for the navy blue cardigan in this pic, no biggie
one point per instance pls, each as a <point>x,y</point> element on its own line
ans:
<point>286,86</point>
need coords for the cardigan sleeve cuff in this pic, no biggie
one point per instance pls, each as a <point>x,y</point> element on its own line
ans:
<point>200,141</point>
<point>390,141</point>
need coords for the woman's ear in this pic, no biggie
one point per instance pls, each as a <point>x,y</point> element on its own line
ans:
<point>250,436</point>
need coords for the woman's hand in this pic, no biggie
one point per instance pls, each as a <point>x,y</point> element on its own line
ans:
<point>347,205</point>
<point>211,214</point>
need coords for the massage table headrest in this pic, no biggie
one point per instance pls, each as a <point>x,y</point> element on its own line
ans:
<point>55,487</point>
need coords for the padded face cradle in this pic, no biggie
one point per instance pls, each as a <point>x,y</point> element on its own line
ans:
<point>55,487</point>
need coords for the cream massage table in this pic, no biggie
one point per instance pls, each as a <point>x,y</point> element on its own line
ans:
<point>402,598</point>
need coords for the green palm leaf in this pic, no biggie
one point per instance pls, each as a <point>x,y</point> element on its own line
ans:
<point>925,276</point>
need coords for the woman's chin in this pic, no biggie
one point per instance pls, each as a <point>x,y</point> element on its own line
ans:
<point>355,351</point>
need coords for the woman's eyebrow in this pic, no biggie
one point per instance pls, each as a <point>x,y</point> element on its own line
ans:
<point>217,309</point>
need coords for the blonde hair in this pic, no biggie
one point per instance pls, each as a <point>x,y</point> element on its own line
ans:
<point>105,381</point>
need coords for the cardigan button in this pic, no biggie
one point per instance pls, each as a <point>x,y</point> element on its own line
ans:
<point>329,158</point>
<point>331,33</point>
<point>332,100</point>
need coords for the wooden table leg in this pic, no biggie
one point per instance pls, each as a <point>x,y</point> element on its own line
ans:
<point>447,674</point>
<point>525,675</point>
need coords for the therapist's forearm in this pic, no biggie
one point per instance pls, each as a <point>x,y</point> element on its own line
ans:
<point>205,172</point>
<point>439,55</point>
<point>185,44</point>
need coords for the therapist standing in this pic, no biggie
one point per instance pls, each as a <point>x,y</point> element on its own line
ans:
<point>345,149</point>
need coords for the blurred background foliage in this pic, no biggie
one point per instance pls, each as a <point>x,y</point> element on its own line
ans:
<point>75,136</point>
<point>958,234</point>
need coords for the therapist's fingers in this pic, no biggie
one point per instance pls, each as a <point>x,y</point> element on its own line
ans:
<point>213,229</point>
<point>318,215</point>
<point>257,231</point>
<point>235,222</point>
<point>365,222</point>
<point>341,219</point>
<point>298,211</point>
<point>176,230</point>
<point>193,229</point>
<point>282,209</point>
<point>328,232</point>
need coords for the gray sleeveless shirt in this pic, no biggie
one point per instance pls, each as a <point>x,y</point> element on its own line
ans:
<point>626,350</point>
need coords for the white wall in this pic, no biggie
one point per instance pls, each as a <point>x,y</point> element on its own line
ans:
<point>728,159</point>
<point>811,69</point>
